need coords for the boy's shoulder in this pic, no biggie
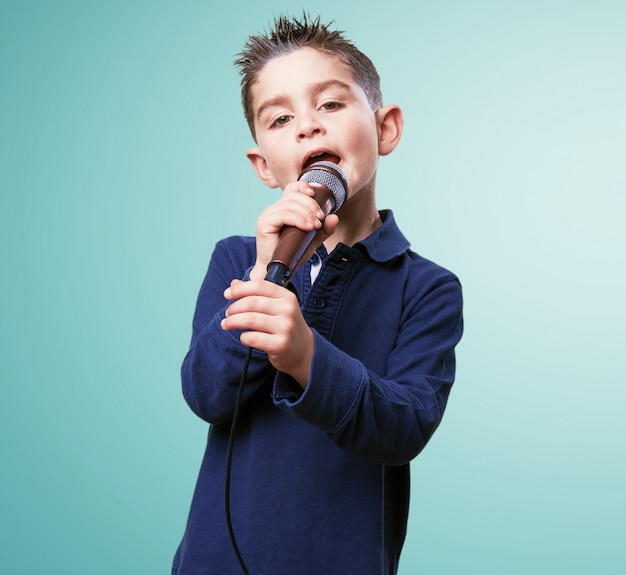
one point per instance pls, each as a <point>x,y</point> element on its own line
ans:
<point>426,273</point>
<point>238,242</point>
<point>389,244</point>
<point>234,253</point>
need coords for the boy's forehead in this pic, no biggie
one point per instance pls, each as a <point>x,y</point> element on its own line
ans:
<point>298,69</point>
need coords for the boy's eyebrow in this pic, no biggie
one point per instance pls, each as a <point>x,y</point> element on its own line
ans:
<point>314,89</point>
<point>275,101</point>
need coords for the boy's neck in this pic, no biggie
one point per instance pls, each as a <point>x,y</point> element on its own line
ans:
<point>358,219</point>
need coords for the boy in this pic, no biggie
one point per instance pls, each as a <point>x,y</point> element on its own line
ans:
<point>351,366</point>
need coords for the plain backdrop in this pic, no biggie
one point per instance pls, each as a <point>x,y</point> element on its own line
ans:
<point>122,163</point>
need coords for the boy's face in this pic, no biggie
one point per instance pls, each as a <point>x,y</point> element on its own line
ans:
<point>308,107</point>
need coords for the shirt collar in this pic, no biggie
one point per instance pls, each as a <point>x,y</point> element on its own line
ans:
<point>386,242</point>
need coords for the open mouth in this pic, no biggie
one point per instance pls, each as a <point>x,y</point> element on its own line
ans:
<point>321,157</point>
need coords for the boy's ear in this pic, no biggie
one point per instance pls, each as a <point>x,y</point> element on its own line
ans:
<point>260,167</point>
<point>390,122</point>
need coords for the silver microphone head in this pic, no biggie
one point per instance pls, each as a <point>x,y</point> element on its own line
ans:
<point>329,175</point>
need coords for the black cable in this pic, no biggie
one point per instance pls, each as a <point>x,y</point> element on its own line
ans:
<point>277,274</point>
<point>229,459</point>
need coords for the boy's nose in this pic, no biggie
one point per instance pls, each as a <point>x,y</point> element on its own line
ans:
<point>308,125</point>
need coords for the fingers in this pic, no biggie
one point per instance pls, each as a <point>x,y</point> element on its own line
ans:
<point>296,208</point>
<point>255,303</point>
<point>265,312</point>
<point>270,319</point>
<point>239,289</point>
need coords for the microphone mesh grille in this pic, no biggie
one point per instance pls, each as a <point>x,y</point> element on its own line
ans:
<point>322,173</point>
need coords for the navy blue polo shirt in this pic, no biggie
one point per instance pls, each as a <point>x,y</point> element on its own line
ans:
<point>320,476</point>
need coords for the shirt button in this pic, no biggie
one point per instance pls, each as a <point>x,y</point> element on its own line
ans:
<point>319,303</point>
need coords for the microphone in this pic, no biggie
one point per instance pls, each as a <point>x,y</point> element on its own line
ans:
<point>330,185</point>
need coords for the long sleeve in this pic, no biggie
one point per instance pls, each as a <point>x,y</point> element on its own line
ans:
<point>212,367</point>
<point>389,416</point>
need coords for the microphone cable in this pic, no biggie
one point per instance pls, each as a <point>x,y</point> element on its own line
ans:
<point>229,460</point>
<point>279,275</point>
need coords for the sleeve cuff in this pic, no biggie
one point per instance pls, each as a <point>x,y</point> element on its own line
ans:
<point>336,382</point>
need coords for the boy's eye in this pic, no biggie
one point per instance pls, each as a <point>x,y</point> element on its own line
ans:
<point>280,121</point>
<point>331,105</point>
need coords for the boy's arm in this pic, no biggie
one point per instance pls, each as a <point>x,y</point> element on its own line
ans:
<point>257,313</point>
<point>212,367</point>
<point>266,316</point>
<point>386,418</point>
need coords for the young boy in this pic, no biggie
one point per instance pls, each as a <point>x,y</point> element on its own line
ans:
<point>351,366</point>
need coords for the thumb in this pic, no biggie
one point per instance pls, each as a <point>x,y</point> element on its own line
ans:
<point>329,226</point>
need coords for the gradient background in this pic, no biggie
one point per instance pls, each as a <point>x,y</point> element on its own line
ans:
<point>122,163</point>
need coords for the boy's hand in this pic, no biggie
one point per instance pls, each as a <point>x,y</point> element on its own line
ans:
<point>273,323</point>
<point>296,208</point>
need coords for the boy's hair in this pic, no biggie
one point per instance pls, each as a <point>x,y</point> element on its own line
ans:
<point>290,35</point>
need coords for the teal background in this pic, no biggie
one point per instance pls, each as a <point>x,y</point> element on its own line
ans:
<point>122,163</point>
